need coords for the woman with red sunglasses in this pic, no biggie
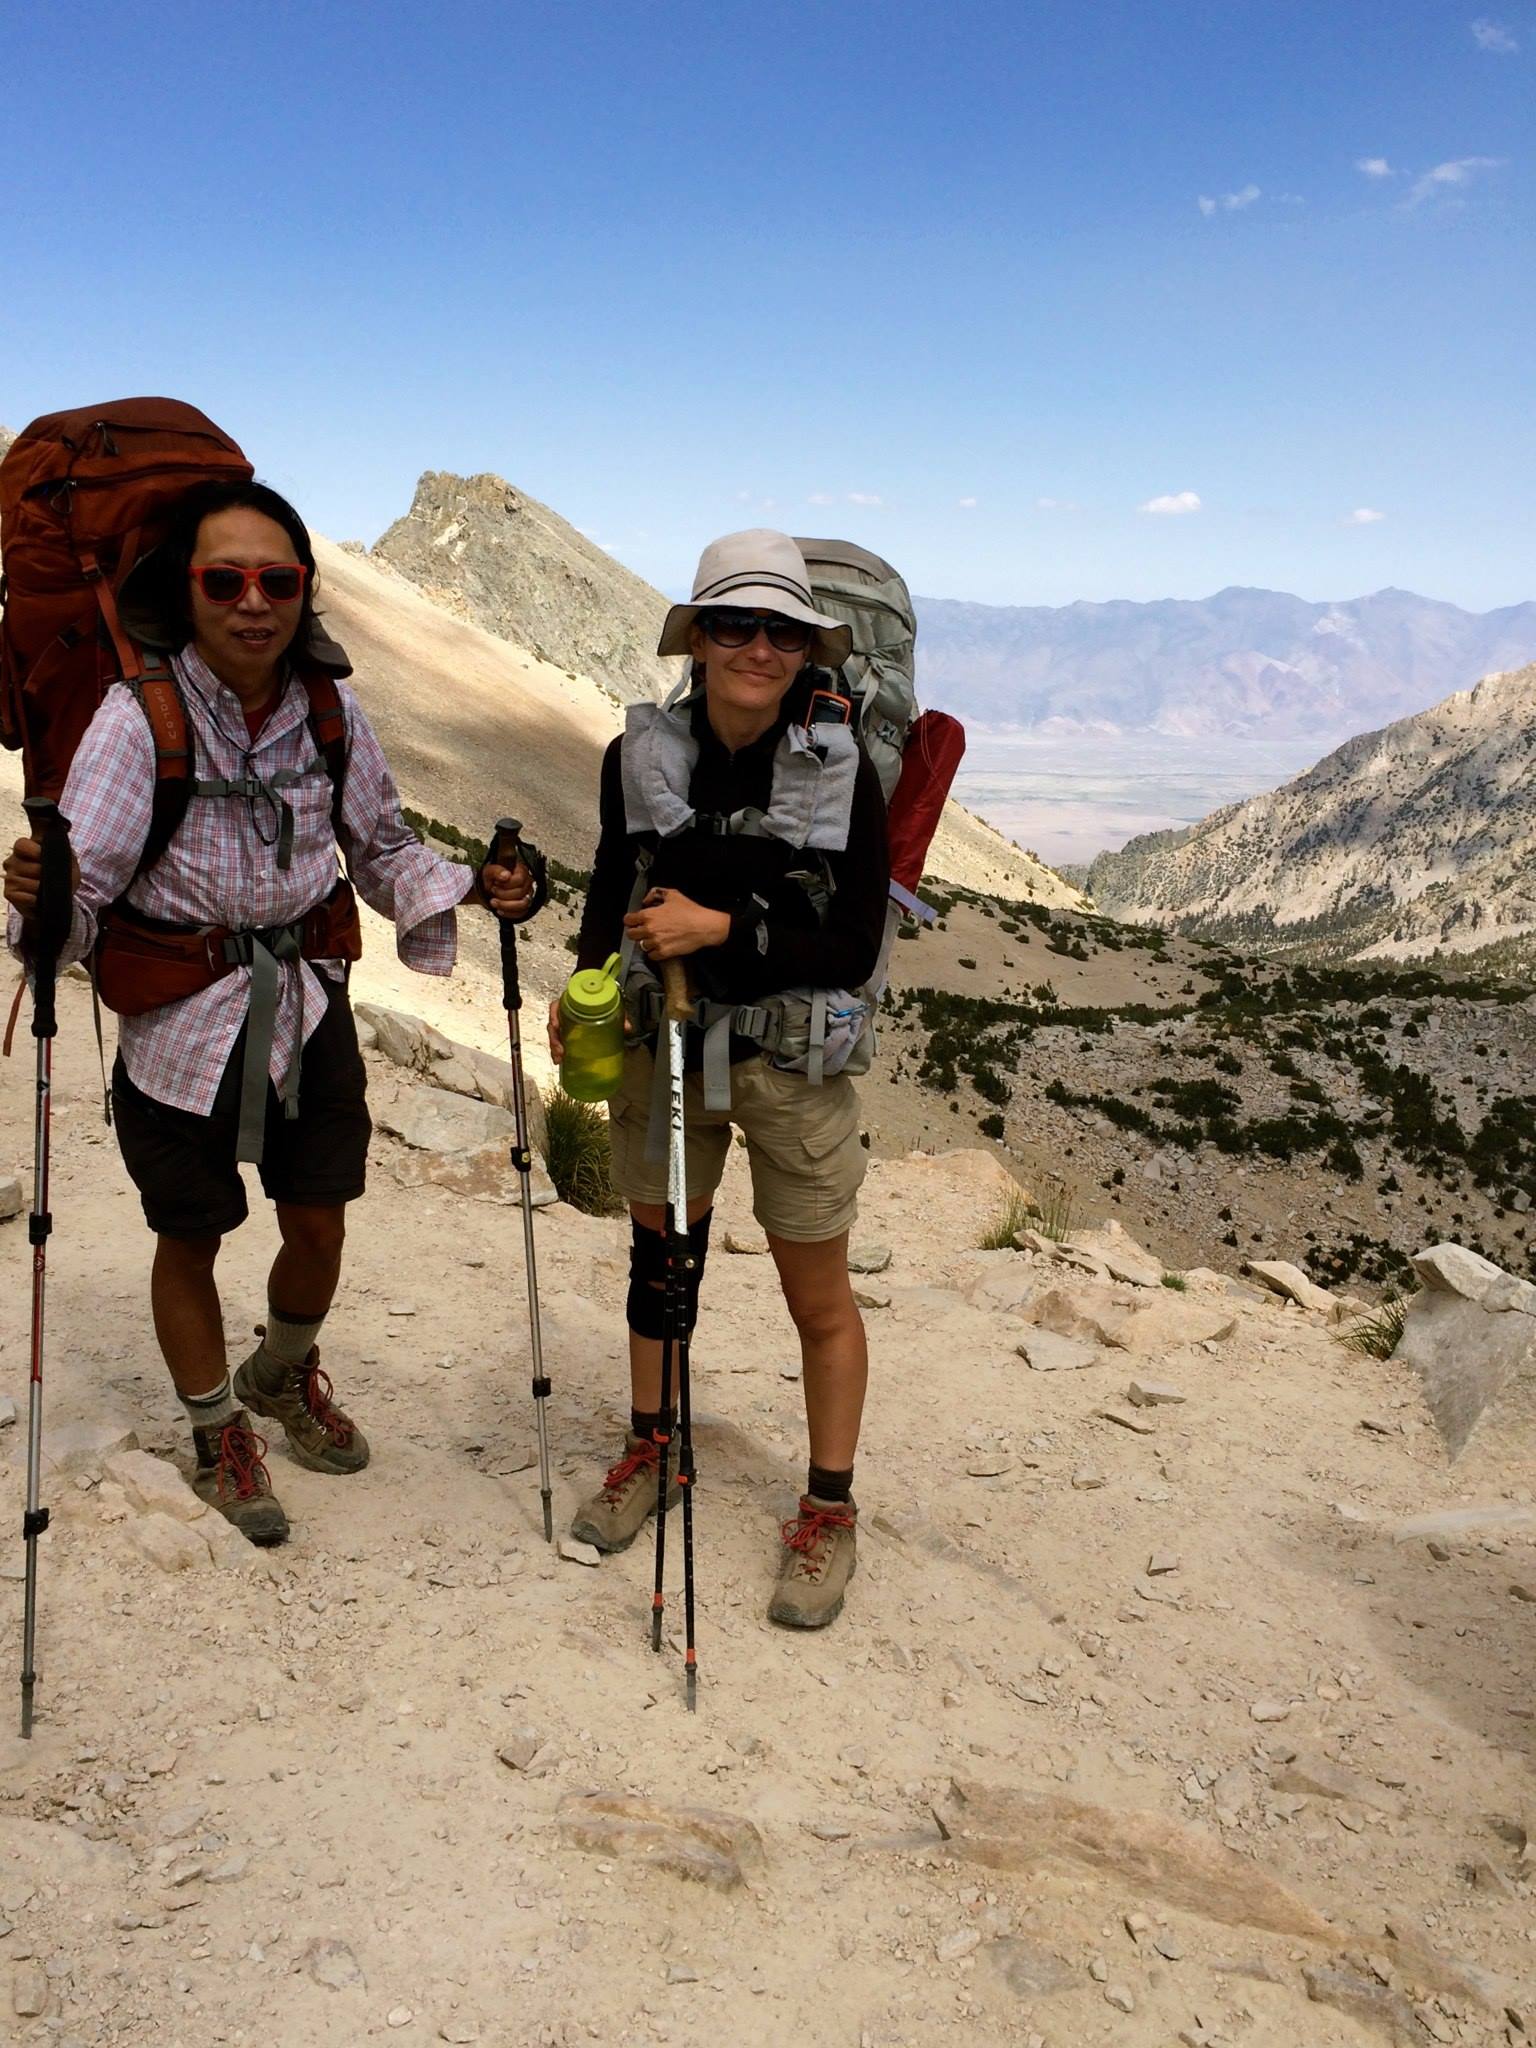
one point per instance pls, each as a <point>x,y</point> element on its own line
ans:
<point>259,1061</point>
<point>743,834</point>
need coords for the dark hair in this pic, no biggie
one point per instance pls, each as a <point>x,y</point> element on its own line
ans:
<point>163,585</point>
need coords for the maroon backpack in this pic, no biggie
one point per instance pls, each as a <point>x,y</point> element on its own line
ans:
<point>83,495</point>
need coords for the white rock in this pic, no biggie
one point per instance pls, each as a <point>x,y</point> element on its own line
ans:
<point>29,1991</point>
<point>1045,1351</point>
<point>1152,1394</point>
<point>1281,1277</point>
<point>959,1944</point>
<point>85,1446</point>
<point>1269,1710</point>
<point>7,1411</point>
<point>154,1486</point>
<point>868,1258</point>
<point>167,1543</point>
<point>12,1199</point>
<point>332,1964</point>
<point>579,1553</point>
<point>400,1038</point>
<point>1476,1358</point>
<point>871,1294</point>
<point>749,1243</point>
<point>433,1122</point>
<point>1126,1266</point>
<point>1452,1269</point>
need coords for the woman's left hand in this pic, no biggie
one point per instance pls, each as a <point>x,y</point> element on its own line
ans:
<point>669,925</point>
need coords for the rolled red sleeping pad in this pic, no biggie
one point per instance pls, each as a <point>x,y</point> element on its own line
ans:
<point>935,748</point>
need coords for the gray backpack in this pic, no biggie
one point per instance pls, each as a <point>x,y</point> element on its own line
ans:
<point>866,593</point>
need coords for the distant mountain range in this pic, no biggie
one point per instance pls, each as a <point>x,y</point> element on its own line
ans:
<point>1404,842</point>
<point>1244,663</point>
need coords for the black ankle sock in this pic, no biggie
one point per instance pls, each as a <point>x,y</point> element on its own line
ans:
<point>645,1426</point>
<point>825,1485</point>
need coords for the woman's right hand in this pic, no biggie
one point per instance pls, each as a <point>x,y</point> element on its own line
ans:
<point>556,1042</point>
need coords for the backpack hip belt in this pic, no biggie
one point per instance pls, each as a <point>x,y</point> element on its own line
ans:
<point>141,964</point>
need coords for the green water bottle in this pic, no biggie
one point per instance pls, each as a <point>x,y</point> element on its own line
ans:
<point>592,1030</point>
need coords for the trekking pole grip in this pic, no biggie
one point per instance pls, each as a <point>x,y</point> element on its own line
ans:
<point>507,848</point>
<point>49,923</point>
<point>674,983</point>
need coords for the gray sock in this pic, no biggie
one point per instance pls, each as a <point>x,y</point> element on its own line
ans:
<point>211,1411</point>
<point>286,1344</point>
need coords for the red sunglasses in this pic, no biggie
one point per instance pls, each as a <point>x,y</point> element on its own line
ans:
<point>227,582</point>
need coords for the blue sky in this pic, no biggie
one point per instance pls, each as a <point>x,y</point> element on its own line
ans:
<point>974,283</point>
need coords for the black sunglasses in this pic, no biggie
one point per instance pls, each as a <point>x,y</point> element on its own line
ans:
<point>739,629</point>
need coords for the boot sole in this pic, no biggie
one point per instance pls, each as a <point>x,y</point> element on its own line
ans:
<point>250,1396</point>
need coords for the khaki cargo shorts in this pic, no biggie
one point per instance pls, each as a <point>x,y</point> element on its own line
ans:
<point>802,1145</point>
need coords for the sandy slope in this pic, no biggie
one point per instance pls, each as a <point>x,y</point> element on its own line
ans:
<point>323,1738</point>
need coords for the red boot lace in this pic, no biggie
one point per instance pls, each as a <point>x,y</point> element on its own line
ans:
<point>809,1531</point>
<point>241,1452</point>
<point>317,1399</point>
<point>618,1477</point>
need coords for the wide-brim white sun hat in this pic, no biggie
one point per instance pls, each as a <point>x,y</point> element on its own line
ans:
<point>757,571</point>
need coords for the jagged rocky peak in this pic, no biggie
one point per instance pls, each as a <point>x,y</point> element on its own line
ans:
<point>510,564</point>
<point>1412,840</point>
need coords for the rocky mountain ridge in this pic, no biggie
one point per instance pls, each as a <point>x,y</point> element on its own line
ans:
<point>1416,839</point>
<point>1255,663</point>
<point>501,559</point>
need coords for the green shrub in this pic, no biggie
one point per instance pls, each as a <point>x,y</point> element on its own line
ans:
<point>1177,1282</point>
<point>576,1154</point>
<point>1377,1335</point>
<point>1017,1211</point>
<point>991,1126</point>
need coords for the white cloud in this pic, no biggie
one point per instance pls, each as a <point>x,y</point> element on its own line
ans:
<point>1492,35</point>
<point>1452,176</point>
<point>1173,503</point>
<point>821,498</point>
<point>1229,202</point>
<point>1374,166</point>
<point>1057,505</point>
<point>1365,515</point>
<point>865,498</point>
<point>966,504</point>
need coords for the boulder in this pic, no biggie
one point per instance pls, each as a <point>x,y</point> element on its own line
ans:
<point>81,1449</point>
<point>168,1543</point>
<point>1045,1351</point>
<point>1281,1277</point>
<point>1131,1265</point>
<point>1071,1315</point>
<point>400,1038</point>
<point>12,1199</point>
<point>1470,1335</point>
<point>154,1486</point>
<point>431,1121</point>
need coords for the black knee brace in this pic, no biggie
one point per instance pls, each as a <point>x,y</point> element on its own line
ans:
<point>646,1306</point>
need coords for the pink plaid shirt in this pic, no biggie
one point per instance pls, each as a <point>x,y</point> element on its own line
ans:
<point>221,867</point>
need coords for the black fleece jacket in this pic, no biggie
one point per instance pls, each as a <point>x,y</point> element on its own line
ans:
<point>775,940</point>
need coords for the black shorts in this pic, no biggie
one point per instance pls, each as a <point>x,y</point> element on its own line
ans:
<point>183,1165</point>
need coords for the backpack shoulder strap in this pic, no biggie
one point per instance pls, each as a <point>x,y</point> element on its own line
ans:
<point>158,695</point>
<point>328,729</point>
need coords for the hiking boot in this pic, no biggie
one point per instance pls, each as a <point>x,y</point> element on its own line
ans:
<point>231,1477</point>
<point>819,1559</point>
<point>615,1515</point>
<point>319,1435</point>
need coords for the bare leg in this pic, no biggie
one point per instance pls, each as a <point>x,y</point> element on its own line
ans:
<point>189,1322</point>
<point>305,1272</point>
<point>645,1352</point>
<point>832,1347</point>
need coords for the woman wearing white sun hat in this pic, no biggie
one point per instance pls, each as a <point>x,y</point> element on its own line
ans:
<point>747,838</point>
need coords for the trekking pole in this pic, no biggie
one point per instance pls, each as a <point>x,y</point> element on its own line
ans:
<point>674,1342</point>
<point>508,847</point>
<point>48,928</point>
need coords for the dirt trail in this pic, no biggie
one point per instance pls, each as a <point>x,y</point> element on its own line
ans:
<point>235,1769</point>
